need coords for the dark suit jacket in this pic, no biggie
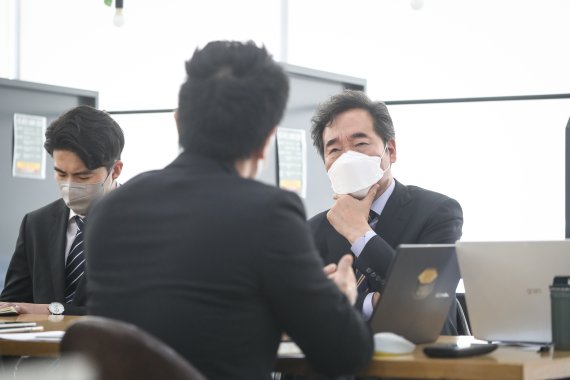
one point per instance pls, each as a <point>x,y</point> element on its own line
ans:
<point>218,266</point>
<point>37,270</point>
<point>412,215</point>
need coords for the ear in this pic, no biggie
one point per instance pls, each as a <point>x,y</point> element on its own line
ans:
<point>392,150</point>
<point>263,152</point>
<point>117,169</point>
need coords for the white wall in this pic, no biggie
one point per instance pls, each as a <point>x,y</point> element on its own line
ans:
<point>151,142</point>
<point>502,161</point>
<point>140,65</point>
<point>449,48</point>
<point>6,57</point>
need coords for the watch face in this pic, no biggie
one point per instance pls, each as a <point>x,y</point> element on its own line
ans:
<point>56,308</point>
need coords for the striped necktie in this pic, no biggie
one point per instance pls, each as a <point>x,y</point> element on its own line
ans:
<point>75,263</point>
<point>361,281</point>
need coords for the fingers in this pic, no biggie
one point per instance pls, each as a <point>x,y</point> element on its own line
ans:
<point>329,269</point>
<point>11,304</point>
<point>345,265</point>
<point>375,298</point>
<point>344,278</point>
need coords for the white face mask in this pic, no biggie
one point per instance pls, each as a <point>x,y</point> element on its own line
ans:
<point>354,173</point>
<point>79,196</point>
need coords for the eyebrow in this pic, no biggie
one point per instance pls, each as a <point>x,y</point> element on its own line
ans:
<point>354,136</point>
<point>331,142</point>
<point>83,172</point>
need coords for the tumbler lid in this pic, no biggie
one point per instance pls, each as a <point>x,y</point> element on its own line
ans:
<point>561,283</point>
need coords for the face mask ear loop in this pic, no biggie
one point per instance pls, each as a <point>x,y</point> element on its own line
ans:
<point>108,175</point>
<point>381,157</point>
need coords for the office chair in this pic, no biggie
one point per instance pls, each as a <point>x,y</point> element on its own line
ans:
<point>122,351</point>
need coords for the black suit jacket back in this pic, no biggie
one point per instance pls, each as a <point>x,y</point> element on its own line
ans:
<point>218,266</point>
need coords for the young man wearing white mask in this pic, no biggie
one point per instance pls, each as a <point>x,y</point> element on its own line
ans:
<point>47,271</point>
<point>373,213</point>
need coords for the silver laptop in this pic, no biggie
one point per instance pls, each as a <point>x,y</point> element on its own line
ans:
<point>507,287</point>
<point>419,291</point>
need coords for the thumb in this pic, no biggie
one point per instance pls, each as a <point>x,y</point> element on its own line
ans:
<point>329,269</point>
<point>345,264</point>
<point>369,198</point>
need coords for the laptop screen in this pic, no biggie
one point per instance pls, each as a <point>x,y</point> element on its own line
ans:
<point>507,287</point>
<point>419,291</point>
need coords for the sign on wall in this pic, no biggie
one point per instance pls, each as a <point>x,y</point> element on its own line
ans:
<point>29,159</point>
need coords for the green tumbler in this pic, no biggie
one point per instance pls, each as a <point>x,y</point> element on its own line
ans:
<point>560,311</point>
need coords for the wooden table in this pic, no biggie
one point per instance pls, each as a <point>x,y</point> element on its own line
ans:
<point>504,363</point>
<point>30,348</point>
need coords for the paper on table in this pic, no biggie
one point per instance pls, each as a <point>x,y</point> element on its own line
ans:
<point>49,336</point>
<point>16,325</point>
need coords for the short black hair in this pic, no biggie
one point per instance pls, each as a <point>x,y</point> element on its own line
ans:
<point>233,97</point>
<point>90,133</point>
<point>345,101</point>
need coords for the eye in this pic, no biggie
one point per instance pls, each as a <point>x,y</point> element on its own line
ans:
<point>332,151</point>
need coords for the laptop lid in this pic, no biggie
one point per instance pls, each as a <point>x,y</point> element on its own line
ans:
<point>507,287</point>
<point>419,291</point>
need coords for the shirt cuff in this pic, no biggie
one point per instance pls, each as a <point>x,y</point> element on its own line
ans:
<point>367,307</point>
<point>361,242</point>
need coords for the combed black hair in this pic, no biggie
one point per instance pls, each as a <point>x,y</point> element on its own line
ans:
<point>90,133</point>
<point>234,95</point>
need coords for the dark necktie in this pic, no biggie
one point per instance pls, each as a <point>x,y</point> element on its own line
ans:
<point>361,281</point>
<point>75,263</point>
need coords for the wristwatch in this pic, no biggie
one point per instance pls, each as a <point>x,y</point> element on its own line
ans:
<point>55,308</point>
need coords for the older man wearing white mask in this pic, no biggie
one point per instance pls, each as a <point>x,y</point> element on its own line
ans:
<point>47,271</point>
<point>373,213</point>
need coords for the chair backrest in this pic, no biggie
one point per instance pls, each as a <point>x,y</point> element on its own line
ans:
<point>122,351</point>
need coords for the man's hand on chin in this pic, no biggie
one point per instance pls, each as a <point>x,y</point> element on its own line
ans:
<point>349,216</point>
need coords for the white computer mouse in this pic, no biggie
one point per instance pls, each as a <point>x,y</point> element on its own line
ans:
<point>392,344</point>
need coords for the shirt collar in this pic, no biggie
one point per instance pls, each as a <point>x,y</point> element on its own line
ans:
<point>71,214</point>
<point>379,204</point>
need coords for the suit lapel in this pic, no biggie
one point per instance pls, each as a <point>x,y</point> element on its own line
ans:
<point>58,231</point>
<point>337,245</point>
<point>395,215</point>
